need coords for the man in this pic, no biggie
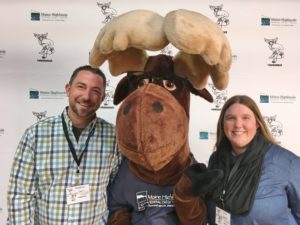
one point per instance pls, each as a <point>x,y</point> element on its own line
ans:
<point>63,164</point>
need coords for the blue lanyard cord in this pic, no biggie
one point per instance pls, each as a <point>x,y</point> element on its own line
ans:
<point>71,147</point>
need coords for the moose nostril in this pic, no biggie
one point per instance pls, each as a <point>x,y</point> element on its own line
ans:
<point>157,107</point>
<point>127,108</point>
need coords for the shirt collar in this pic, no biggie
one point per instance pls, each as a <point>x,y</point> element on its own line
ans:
<point>69,122</point>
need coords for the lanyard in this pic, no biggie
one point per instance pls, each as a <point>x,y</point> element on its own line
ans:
<point>232,172</point>
<point>72,149</point>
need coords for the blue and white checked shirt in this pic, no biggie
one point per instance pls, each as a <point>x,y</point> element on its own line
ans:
<point>43,167</point>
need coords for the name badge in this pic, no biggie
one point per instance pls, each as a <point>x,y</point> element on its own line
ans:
<point>77,194</point>
<point>222,217</point>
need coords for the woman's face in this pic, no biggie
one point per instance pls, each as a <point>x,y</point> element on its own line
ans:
<point>240,126</point>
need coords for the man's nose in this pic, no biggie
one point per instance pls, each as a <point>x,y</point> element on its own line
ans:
<point>86,95</point>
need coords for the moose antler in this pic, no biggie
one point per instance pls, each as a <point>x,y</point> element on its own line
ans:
<point>124,39</point>
<point>203,48</point>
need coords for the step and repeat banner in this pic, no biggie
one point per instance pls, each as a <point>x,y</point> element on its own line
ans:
<point>42,42</point>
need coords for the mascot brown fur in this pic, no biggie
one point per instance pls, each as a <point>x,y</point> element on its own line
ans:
<point>153,120</point>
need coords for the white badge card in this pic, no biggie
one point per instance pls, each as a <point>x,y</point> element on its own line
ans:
<point>77,194</point>
<point>222,217</point>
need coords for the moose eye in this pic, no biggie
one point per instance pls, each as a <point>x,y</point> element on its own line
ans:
<point>169,85</point>
<point>142,82</point>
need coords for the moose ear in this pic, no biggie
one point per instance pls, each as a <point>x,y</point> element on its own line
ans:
<point>204,93</point>
<point>122,90</point>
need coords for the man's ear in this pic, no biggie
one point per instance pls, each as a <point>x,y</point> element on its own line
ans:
<point>103,97</point>
<point>122,90</point>
<point>67,88</point>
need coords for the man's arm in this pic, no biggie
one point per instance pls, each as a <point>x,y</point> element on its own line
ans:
<point>21,189</point>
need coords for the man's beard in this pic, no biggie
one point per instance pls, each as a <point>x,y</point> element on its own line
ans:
<point>82,113</point>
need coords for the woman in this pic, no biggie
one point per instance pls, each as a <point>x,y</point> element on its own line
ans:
<point>261,185</point>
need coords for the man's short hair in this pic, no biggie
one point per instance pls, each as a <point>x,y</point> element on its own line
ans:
<point>95,71</point>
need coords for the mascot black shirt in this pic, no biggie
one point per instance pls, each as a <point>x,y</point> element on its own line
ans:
<point>149,204</point>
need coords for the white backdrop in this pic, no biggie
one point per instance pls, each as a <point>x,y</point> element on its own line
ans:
<point>33,74</point>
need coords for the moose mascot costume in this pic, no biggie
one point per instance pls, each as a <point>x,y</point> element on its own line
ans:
<point>159,177</point>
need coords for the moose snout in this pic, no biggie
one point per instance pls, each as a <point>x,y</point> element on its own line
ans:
<point>145,126</point>
<point>143,100</point>
<point>156,106</point>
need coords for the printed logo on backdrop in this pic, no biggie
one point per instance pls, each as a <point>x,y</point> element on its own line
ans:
<point>267,21</point>
<point>145,200</point>
<point>2,53</point>
<point>35,94</point>
<point>276,49</point>
<point>275,126</point>
<point>109,96</point>
<point>220,97</point>
<point>47,47</point>
<point>265,98</point>
<point>234,57</point>
<point>168,50</point>
<point>207,135</point>
<point>221,15</point>
<point>107,11</point>
<point>40,115</point>
<point>2,131</point>
<point>42,16</point>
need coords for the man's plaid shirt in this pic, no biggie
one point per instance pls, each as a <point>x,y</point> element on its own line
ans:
<point>43,167</point>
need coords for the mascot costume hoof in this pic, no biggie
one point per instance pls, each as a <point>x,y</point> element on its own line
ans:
<point>153,185</point>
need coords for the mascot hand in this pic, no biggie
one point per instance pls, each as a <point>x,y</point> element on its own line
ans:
<point>190,209</point>
<point>120,217</point>
<point>190,191</point>
<point>202,179</point>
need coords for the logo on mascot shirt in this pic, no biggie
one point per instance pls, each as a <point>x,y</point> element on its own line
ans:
<point>145,200</point>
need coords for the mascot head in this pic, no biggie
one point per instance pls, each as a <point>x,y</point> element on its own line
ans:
<point>152,121</point>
